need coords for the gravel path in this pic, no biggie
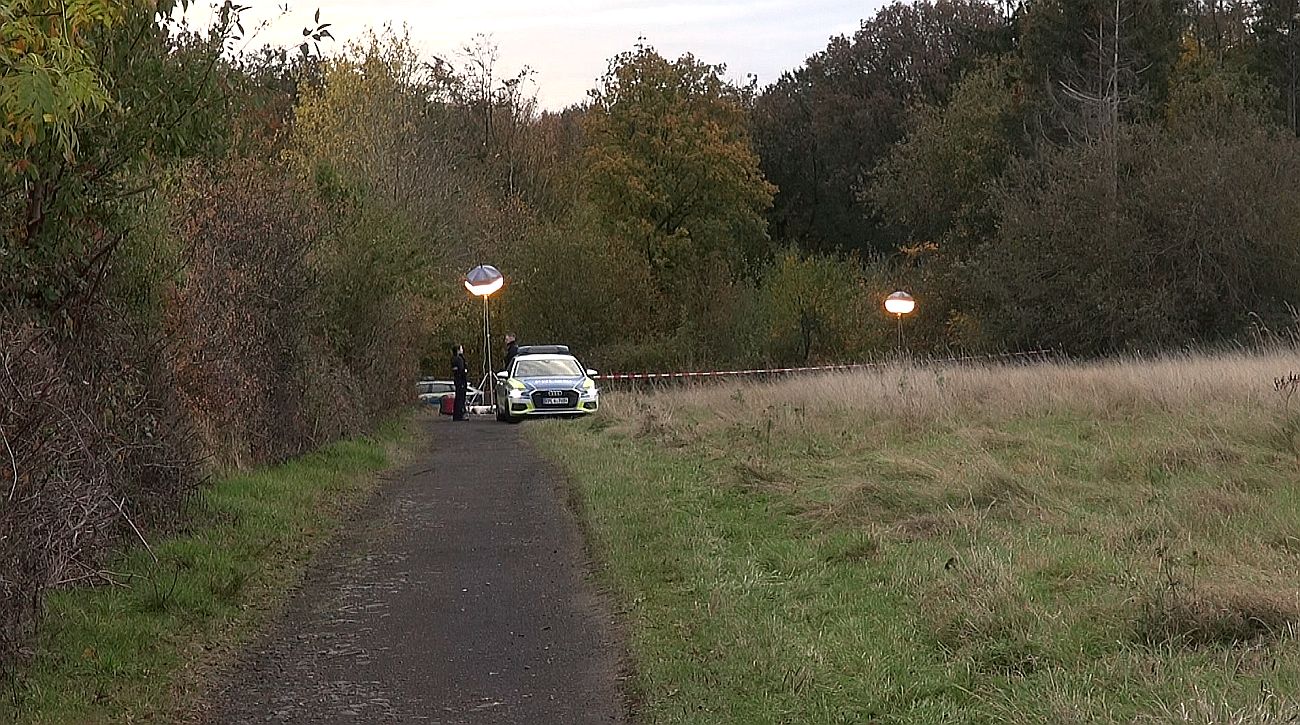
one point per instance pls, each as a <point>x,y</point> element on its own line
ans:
<point>458,595</point>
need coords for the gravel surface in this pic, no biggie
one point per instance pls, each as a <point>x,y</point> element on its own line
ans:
<point>457,595</point>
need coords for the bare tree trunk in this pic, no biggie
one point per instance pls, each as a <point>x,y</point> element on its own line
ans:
<point>1218,29</point>
<point>1113,110</point>
<point>1102,109</point>
<point>1291,66</point>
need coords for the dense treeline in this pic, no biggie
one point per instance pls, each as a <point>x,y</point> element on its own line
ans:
<point>1092,176</point>
<point>1095,175</point>
<point>213,258</point>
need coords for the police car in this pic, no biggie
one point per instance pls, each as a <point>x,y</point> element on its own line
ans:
<point>545,380</point>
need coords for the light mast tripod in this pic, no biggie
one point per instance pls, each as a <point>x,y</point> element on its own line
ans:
<point>488,385</point>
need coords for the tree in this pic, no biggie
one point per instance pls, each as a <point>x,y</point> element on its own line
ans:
<point>821,128</point>
<point>96,96</point>
<point>51,84</point>
<point>671,170</point>
<point>553,147</point>
<point>1276,28</point>
<point>501,108</point>
<point>370,124</point>
<point>1220,29</point>
<point>815,306</point>
<point>935,184</point>
<point>1203,241</point>
<point>1209,99</point>
<point>936,187</point>
<point>1115,52</point>
<point>373,146</point>
<point>570,282</point>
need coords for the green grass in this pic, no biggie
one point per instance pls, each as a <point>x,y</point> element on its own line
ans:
<point>139,651</point>
<point>877,551</point>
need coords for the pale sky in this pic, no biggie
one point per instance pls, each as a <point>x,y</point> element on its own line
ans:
<point>568,44</point>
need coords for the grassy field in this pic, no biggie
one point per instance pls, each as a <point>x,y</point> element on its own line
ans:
<point>138,650</point>
<point>1112,542</point>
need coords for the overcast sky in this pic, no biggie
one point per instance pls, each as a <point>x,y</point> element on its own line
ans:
<point>569,43</point>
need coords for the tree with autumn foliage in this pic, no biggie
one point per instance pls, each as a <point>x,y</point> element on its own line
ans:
<point>50,84</point>
<point>671,171</point>
<point>95,98</point>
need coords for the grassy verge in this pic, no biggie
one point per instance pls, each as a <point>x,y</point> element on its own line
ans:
<point>138,650</point>
<point>1105,543</point>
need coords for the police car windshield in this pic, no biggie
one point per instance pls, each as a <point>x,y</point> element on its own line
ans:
<point>556,368</point>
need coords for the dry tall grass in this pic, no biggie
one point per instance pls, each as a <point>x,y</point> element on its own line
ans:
<point>948,392</point>
<point>1081,525</point>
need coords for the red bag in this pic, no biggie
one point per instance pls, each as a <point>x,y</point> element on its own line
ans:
<point>447,406</point>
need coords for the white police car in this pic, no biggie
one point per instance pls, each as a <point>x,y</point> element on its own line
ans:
<point>545,380</point>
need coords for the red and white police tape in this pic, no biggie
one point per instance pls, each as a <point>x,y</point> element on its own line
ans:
<point>811,369</point>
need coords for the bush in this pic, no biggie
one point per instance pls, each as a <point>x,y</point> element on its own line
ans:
<point>92,444</point>
<point>822,309</point>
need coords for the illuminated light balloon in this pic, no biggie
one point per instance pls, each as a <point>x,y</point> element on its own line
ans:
<point>483,280</point>
<point>900,303</point>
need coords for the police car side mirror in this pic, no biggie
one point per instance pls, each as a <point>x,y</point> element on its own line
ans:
<point>503,375</point>
<point>591,373</point>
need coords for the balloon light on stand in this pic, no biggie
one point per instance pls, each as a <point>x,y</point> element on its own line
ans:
<point>898,304</point>
<point>483,281</point>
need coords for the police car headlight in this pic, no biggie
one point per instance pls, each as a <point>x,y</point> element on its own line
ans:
<point>518,394</point>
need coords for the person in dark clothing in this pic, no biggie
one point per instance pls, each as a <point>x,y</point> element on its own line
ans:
<point>460,374</point>
<point>512,349</point>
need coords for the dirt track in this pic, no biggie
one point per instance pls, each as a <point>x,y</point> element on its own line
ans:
<point>458,595</point>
